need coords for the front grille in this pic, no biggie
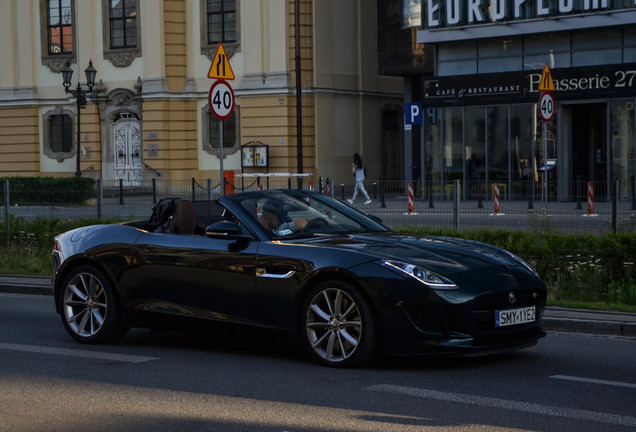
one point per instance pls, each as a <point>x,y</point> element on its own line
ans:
<point>499,300</point>
<point>484,308</point>
<point>477,318</point>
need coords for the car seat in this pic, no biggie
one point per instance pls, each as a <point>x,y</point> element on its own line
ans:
<point>184,219</point>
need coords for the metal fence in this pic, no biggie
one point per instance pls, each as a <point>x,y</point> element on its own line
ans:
<point>455,205</point>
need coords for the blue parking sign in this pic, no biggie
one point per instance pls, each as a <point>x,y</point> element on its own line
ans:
<point>413,113</point>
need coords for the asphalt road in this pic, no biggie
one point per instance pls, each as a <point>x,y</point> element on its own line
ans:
<point>227,379</point>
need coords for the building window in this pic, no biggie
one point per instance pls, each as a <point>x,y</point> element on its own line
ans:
<point>231,133</point>
<point>219,24</point>
<point>61,133</point>
<point>58,134</point>
<point>59,26</point>
<point>122,31</point>
<point>123,24</point>
<point>221,21</point>
<point>411,13</point>
<point>57,33</point>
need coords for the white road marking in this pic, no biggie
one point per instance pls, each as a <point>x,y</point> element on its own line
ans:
<point>506,404</point>
<point>76,353</point>
<point>594,381</point>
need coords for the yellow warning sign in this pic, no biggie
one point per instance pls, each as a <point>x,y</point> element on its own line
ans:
<point>547,84</point>
<point>221,68</point>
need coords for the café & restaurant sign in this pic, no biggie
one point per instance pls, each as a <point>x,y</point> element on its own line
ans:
<point>523,86</point>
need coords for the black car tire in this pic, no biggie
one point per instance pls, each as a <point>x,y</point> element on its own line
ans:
<point>89,310</point>
<point>338,325</point>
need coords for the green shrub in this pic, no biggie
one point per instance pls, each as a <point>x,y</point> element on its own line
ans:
<point>47,190</point>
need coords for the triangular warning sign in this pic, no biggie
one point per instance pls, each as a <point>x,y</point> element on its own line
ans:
<point>547,84</point>
<point>221,68</point>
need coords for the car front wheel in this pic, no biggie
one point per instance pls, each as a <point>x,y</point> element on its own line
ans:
<point>339,327</point>
<point>89,310</point>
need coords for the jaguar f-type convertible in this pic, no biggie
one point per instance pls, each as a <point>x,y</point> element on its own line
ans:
<point>345,285</point>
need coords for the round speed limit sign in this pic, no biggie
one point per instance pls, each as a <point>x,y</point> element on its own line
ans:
<point>547,106</point>
<point>221,99</point>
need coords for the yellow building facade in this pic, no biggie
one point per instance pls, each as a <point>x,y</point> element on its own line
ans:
<point>150,115</point>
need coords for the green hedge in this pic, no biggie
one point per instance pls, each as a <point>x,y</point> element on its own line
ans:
<point>47,190</point>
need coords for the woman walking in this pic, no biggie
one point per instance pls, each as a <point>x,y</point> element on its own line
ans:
<point>358,172</point>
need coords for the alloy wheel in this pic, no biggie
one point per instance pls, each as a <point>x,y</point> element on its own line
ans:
<point>334,325</point>
<point>85,305</point>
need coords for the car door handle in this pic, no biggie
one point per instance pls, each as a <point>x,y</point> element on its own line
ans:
<point>261,272</point>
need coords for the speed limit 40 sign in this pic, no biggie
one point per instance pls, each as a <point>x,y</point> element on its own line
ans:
<point>547,106</point>
<point>221,99</point>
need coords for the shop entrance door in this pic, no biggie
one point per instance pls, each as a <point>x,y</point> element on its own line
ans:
<point>588,132</point>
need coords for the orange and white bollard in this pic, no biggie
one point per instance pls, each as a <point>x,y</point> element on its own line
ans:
<point>496,198</point>
<point>590,200</point>
<point>410,200</point>
<point>311,185</point>
<point>496,195</point>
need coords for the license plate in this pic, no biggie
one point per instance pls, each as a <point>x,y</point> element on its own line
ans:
<point>514,316</point>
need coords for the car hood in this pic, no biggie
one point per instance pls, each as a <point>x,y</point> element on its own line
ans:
<point>451,257</point>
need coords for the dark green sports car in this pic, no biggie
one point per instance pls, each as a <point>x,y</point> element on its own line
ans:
<point>343,283</point>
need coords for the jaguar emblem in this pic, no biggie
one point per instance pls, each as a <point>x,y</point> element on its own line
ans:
<point>512,298</point>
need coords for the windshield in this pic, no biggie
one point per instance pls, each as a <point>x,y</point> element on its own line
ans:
<point>294,213</point>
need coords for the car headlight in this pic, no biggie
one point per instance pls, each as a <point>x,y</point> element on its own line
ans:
<point>426,277</point>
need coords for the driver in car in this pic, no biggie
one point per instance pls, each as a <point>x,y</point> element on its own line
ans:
<point>275,219</point>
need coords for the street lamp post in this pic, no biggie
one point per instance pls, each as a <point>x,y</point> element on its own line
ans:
<point>80,99</point>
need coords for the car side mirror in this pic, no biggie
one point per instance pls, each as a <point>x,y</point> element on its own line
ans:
<point>225,230</point>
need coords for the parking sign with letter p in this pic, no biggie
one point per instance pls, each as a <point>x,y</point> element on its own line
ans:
<point>413,113</point>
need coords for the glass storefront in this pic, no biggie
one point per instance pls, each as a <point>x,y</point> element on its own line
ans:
<point>511,145</point>
<point>622,146</point>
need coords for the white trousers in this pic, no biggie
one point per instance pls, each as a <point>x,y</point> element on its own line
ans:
<point>359,187</point>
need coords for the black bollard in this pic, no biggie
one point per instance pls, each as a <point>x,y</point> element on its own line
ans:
<point>480,204</point>
<point>383,204</point>
<point>578,193</point>
<point>633,193</point>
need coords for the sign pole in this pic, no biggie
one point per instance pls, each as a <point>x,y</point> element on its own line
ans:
<point>546,108</point>
<point>545,161</point>
<point>221,156</point>
<point>221,100</point>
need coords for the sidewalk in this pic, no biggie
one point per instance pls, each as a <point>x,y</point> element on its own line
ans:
<point>555,319</point>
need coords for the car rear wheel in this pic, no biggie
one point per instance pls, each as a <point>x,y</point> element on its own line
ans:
<point>339,327</point>
<point>89,309</point>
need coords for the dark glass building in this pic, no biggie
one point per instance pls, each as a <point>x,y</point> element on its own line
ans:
<point>477,67</point>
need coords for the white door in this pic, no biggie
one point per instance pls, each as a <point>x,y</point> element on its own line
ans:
<point>128,152</point>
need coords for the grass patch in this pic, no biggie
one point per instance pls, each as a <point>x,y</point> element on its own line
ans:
<point>573,304</point>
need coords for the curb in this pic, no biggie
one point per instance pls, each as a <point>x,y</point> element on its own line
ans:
<point>570,325</point>
<point>19,284</point>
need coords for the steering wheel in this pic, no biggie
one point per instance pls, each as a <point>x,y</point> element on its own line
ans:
<point>313,222</point>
